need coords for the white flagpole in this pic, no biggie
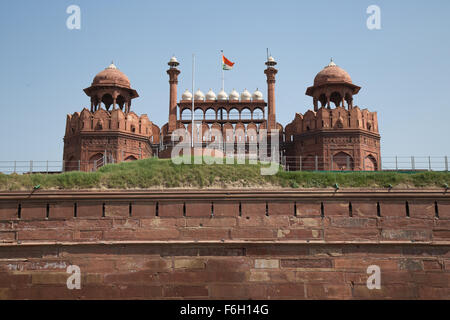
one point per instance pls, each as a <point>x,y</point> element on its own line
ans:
<point>223,73</point>
<point>193,98</point>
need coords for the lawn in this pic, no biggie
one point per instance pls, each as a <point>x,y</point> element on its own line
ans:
<point>156,173</point>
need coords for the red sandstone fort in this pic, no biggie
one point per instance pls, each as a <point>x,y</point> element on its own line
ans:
<point>336,135</point>
<point>225,244</point>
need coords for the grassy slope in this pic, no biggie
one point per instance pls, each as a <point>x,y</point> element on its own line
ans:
<point>157,173</point>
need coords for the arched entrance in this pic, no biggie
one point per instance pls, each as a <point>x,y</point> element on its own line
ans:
<point>370,164</point>
<point>95,162</point>
<point>130,158</point>
<point>342,161</point>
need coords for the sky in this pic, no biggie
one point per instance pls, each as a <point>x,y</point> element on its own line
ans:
<point>403,68</point>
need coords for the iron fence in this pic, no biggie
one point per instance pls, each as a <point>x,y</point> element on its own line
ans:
<point>304,163</point>
<point>348,163</point>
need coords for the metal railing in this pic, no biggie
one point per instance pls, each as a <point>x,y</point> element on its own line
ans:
<point>49,167</point>
<point>304,163</point>
<point>348,163</point>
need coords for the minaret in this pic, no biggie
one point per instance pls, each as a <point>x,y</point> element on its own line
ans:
<point>270,73</point>
<point>173,73</point>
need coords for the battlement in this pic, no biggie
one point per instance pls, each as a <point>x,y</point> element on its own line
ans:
<point>330,119</point>
<point>94,138</point>
<point>115,121</point>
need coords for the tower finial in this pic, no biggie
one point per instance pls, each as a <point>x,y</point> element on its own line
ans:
<point>112,65</point>
<point>331,64</point>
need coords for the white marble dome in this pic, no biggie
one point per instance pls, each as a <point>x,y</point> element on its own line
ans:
<point>222,96</point>
<point>257,95</point>
<point>245,95</point>
<point>234,95</point>
<point>186,95</point>
<point>210,95</point>
<point>199,95</point>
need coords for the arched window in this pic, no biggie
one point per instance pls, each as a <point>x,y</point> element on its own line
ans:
<point>234,114</point>
<point>186,114</point>
<point>246,114</point>
<point>222,114</point>
<point>336,98</point>
<point>198,114</point>
<point>120,100</point>
<point>258,114</point>
<point>322,99</point>
<point>210,114</point>
<point>107,100</point>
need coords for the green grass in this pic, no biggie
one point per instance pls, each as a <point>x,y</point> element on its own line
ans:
<point>158,173</point>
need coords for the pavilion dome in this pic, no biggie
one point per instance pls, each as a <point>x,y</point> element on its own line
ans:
<point>245,95</point>
<point>111,76</point>
<point>222,96</point>
<point>199,95</point>
<point>257,95</point>
<point>210,95</point>
<point>234,95</point>
<point>186,95</point>
<point>332,74</point>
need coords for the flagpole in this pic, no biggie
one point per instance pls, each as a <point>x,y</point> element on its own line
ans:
<point>223,72</point>
<point>193,98</point>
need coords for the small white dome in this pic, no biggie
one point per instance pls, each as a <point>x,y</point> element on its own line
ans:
<point>245,95</point>
<point>234,95</point>
<point>199,95</point>
<point>186,95</point>
<point>173,59</point>
<point>331,64</point>
<point>210,95</point>
<point>112,66</point>
<point>222,96</point>
<point>257,95</point>
<point>271,59</point>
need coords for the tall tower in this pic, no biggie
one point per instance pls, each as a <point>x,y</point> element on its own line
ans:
<point>270,74</point>
<point>109,131</point>
<point>337,135</point>
<point>173,73</point>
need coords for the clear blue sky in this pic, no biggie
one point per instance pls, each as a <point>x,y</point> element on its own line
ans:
<point>403,69</point>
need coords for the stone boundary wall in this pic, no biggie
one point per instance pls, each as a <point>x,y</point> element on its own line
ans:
<point>237,245</point>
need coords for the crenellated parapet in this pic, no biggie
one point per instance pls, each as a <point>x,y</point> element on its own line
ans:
<point>111,121</point>
<point>331,119</point>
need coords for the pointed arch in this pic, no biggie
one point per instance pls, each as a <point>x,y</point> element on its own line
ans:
<point>370,163</point>
<point>342,161</point>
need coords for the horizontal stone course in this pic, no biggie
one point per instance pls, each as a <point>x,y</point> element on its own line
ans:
<point>291,249</point>
<point>196,221</point>
<point>306,271</point>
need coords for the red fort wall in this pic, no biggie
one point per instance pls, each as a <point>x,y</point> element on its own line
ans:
<point>236,244</point>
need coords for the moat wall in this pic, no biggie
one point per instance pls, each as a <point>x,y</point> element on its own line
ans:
<point>225,244</point>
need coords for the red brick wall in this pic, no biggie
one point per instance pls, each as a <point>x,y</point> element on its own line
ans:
<point>219,248</point>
